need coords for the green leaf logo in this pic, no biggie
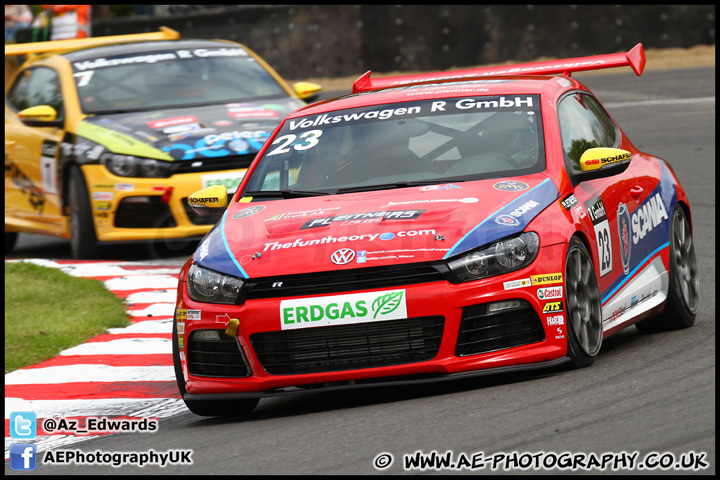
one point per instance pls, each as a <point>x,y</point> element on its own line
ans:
<point>386,303</point>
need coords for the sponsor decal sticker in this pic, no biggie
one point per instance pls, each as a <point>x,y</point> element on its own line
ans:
<point>382,215</point>
<point>301,214</point>
<point>169,122</point>
<point>328,239</point>
<point>552,307</point>
<point>254,114</point>
<point>647,217</point>
<point>249,211</point>
<point>550,293</point>
<point>523,282</point>
<point>105,196</point>
<point>569,201</point>
<point>507,220</point>
<point>598,216</point>
<point>546,278</point>
<point>511,186</point>
<point>624,233</point>
<point>36,197</point>
<point>436,200</point>
<point>555,320</point>
<point>343,309</point>
<point>194,314</point>
<point>432,188</point>
<point>525,207</point>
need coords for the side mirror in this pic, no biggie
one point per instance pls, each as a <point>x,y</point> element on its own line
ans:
<point>307,91</point>
<point>40,116</point>
<point>600,162</point>
<point>209,201</point>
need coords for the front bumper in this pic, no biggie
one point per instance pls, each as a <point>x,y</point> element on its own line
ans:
<point>450,332</point>
<point>140,209</point>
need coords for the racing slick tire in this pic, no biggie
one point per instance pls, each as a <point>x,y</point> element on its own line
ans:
<point>10,240</point>
<point>683,291</point>
<point>583,306</point>
<point>207,408</point>
<point>83,241</point>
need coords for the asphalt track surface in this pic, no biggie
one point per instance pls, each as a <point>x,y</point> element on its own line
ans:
<point>647,398</point>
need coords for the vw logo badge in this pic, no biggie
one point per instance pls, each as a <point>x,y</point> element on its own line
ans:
<point>342,256</point>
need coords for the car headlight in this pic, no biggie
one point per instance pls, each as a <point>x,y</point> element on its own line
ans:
<point>208,286</point>
<point>503,256</point>
<point>132,166</point>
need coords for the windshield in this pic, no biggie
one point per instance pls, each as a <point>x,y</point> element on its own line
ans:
<point>402,144</point>
<point>171,79</point>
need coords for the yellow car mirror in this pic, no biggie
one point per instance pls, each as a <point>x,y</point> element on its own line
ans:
<point>42,113</point>
<point>596,158</point>
<point>307,90</point>
<point>209,201</point>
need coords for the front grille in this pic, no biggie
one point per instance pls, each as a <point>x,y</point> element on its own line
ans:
<point>143,212</point>
<point>349,347</point>
<point>341,281</point>
<point>483,331</point>
<point>215,358</point>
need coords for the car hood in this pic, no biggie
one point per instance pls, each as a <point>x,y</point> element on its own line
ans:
<point>407,225</point>
<point>189,133</point>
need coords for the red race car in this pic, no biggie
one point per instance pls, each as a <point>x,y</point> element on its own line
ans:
<point>429,227</point>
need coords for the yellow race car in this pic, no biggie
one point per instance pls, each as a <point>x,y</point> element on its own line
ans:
<point>106,137</point>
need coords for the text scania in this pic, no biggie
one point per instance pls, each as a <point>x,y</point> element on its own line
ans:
<point>647,217</point>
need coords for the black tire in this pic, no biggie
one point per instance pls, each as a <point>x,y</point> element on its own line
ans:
<point>83,241</point>
<point>583,306</point>
<point>684,286</point>
<point>10,240</point>
<point>207,408</point>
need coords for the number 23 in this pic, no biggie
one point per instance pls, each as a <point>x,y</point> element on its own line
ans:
<point>310,138</point>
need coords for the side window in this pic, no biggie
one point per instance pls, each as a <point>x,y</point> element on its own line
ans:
<point>36,86</point>
<point>584,124</point>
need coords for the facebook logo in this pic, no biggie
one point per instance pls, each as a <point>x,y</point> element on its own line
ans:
<point>23,425</point>
<point>23,456</point>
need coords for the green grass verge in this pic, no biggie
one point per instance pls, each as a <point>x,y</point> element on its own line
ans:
<point>47,311</point>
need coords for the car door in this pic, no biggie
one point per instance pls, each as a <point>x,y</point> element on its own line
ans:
<point>32,193</point>
<point>607,201</point>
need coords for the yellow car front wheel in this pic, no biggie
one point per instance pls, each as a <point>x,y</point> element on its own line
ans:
<point>83,241</point>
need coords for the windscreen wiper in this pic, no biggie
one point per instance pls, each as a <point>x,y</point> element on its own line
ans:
<point>285,193</point>
<point>389,186</point>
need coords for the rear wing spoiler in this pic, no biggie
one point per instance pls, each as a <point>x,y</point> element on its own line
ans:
<point>635,58</point>
<point>165,33</point>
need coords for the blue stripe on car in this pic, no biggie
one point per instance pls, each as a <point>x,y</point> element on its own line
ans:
<point>489,230</point>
